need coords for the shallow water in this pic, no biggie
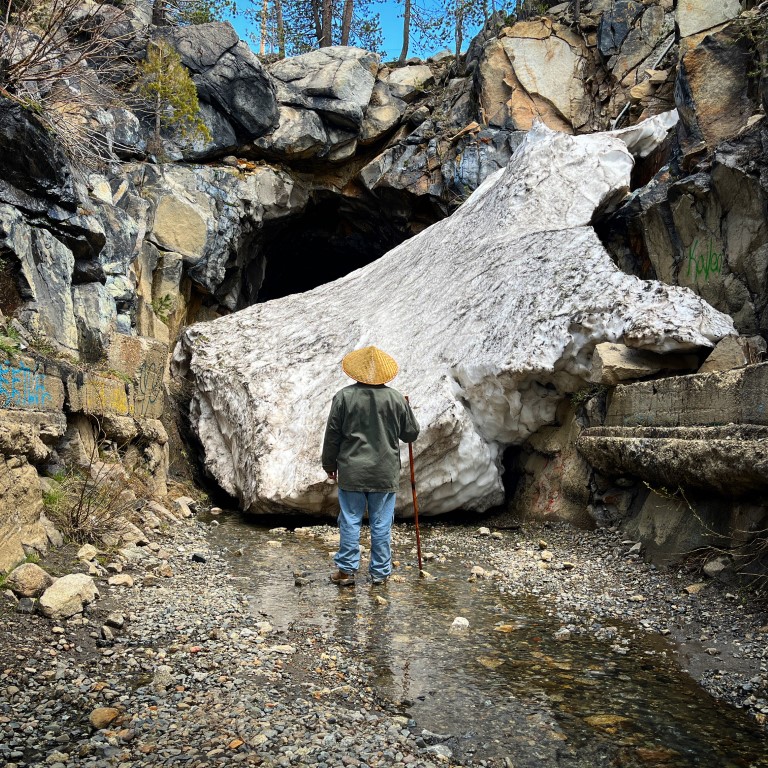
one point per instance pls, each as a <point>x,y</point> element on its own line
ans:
<point>507,690</point>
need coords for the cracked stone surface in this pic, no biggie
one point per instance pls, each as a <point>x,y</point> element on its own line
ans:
<point>492,314</point>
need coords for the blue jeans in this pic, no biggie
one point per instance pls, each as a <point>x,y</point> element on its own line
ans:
<point>381,513</point>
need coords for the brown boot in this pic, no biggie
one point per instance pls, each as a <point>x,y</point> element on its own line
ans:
<point>343,579</point>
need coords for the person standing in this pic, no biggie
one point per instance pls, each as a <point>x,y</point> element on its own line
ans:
<point>361,452</point>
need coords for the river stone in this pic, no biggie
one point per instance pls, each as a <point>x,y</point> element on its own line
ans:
<point>486,360</point>
<point>68,595</point>
<point>28,580</point>
<point>101,717</point>
<point>87,552</point>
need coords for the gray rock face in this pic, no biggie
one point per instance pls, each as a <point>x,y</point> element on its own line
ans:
<point>712,92</point>
<point>697,15</point>
<point>228,75</point>
<point>211,215</point>
<point>323,98</point>
<point>487,359</point>
<point>95,318</point>
<point>39,175</point>
<point>46,267</point>
<point>707,231</point>
<point>615,25</point>
<point>22,506</point>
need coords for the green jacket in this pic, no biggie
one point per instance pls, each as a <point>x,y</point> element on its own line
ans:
<point>362,437</point>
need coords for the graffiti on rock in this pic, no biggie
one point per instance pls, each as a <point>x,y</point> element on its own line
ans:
<point>22,386</point>
<point>706,262</point>
<point>100,396</point>
<point>149,387</point>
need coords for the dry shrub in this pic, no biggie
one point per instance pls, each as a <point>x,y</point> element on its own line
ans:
<point>88,508</point>
<point>56,59</point>
<point>93,503</point>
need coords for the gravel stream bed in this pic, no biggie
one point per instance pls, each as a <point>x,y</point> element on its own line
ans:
<point>201,676</point>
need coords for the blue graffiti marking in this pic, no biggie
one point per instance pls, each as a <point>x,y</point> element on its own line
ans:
<point>22,386</point>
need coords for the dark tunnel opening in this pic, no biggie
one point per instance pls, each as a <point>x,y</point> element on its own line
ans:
<point>332,237</point>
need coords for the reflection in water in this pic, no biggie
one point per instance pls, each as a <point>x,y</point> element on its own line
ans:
<point>507,689</point>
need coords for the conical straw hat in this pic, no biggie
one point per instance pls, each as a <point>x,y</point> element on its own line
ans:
<point>369,365</point>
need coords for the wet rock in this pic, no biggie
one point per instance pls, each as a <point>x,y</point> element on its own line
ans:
<point>26,605</point>
<point>460,624</point>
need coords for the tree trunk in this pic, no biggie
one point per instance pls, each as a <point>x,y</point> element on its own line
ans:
<point>158,114</point>
<point>346,21</point>
<point>159,16</point>
<point>406,31</point>
<point>280,29</point>
<point>316,18</point>
<point>326,40</point>
<point>264,18</point>
<point>576,10</point>
<point>459,29</point>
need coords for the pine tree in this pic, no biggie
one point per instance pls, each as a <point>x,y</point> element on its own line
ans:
<point>170,95</point>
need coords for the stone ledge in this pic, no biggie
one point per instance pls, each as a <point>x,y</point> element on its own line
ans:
<point>730,460</point>
<point>733,397</point>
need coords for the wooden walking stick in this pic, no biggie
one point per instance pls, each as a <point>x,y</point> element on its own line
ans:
<point>415,502</point>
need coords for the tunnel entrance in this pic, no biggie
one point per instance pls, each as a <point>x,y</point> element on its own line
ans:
<point>332,237</point>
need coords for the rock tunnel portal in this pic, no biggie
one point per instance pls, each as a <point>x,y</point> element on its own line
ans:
<point>333,236</point>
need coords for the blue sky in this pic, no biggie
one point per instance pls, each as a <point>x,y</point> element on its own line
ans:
<point>390,12</point>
